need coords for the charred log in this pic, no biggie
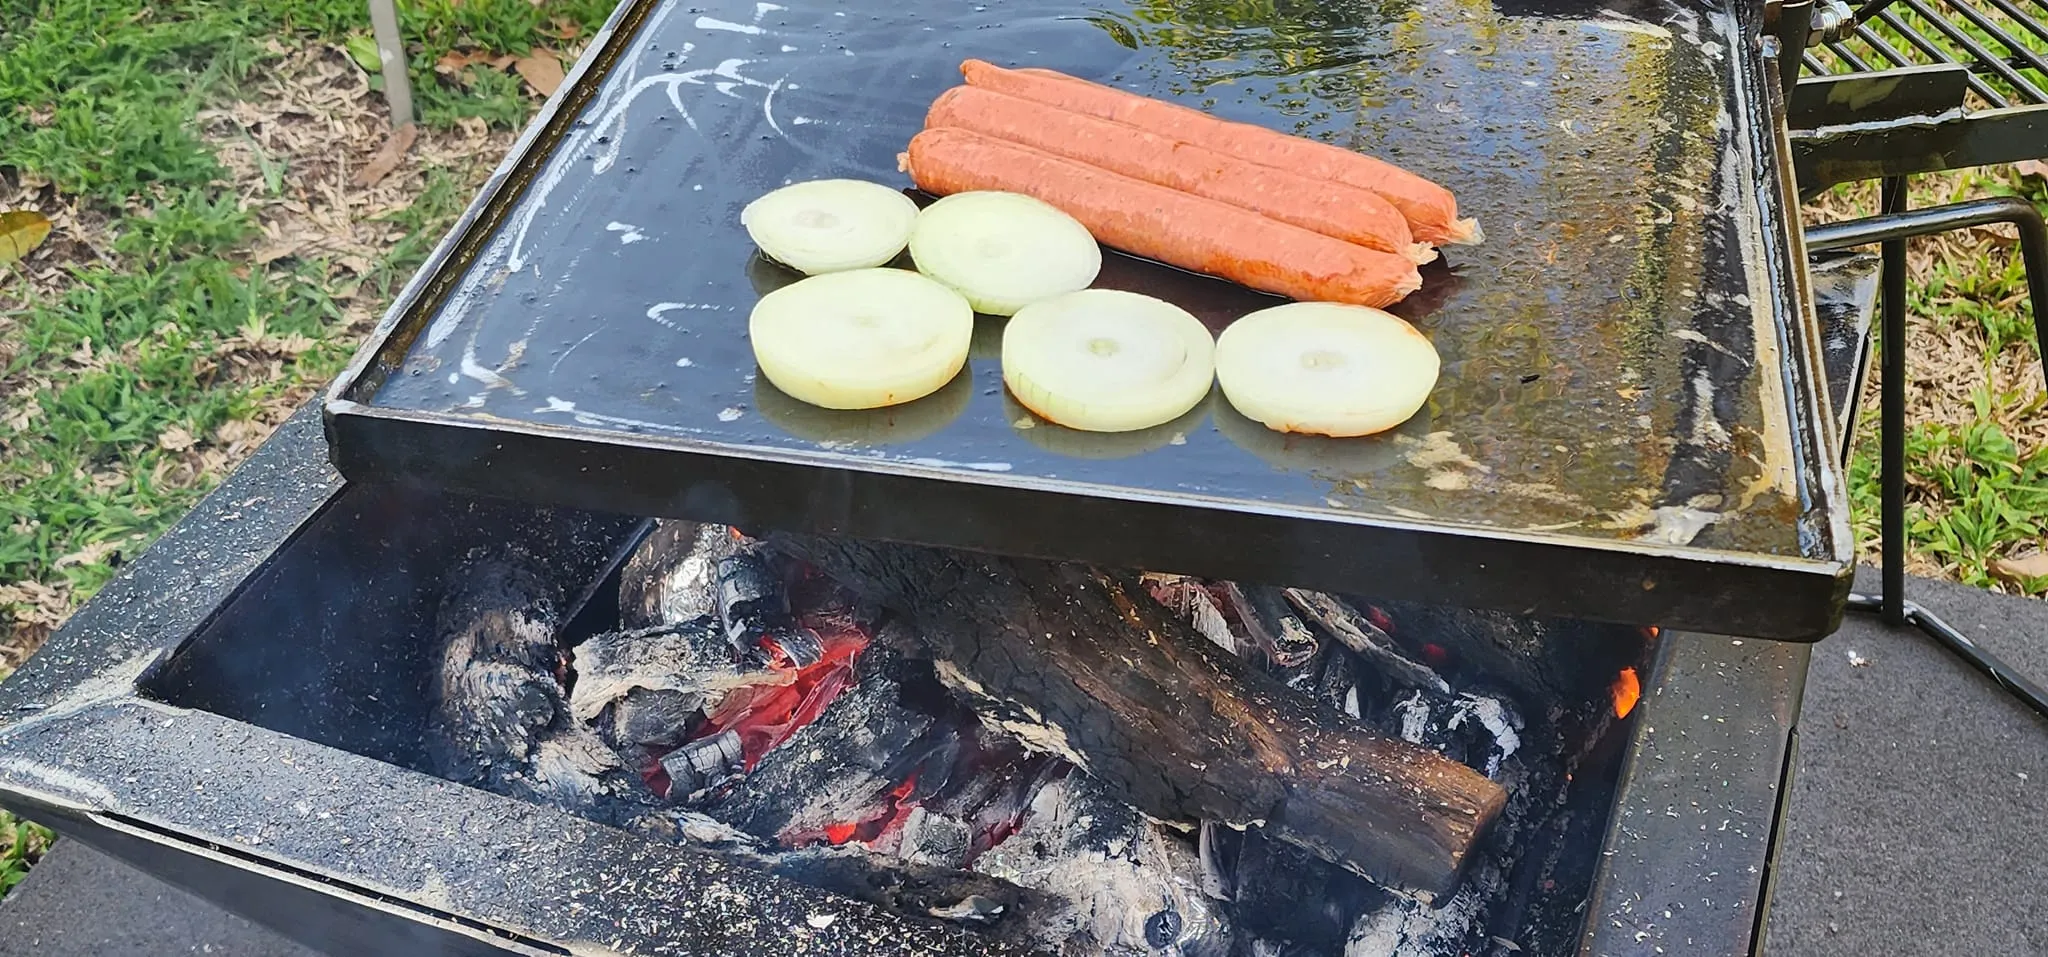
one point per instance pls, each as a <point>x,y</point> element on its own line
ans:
<point>644,577</point>
<point>501,720</point>
<point>841,763</point>
<point>1084,661</point>
<point>1115,881</point>
<point>640,689</point>
<point>671,577</point>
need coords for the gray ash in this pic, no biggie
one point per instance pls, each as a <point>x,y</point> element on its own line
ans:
<point>745,704</point>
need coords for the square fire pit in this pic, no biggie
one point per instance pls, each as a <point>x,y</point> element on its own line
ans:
<point>244,713</point>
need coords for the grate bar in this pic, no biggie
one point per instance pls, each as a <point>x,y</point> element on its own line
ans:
<point>1885,49</point>
<point>2023,18</point>
<point>2019,50</point>
<point>1963,39</point>
<point>1924,45</point>
<point>1840,49</point>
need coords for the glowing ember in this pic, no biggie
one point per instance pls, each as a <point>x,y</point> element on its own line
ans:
<point>767,715</point>
<point>876,823</point>
<point>1627,691</point>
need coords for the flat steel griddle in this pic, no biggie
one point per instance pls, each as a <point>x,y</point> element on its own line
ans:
<point>1628,425</point>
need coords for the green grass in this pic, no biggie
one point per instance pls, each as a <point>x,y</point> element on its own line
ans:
<point>111,390</point>
<point>1975,492</point>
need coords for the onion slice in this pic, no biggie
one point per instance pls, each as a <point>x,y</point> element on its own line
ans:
<point>861,339</point>
<point>1105,360</point>
<point>1003,251</point>
<point>830,225</point>
<point>1325,368</point>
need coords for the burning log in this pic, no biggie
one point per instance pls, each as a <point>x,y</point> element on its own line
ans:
<point>1083,662</point>
<point>840,766</point>
<point>641,688</point>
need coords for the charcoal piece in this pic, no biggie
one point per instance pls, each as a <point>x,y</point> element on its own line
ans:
<point>1487,730</point>
<point>835,769</point>
<point>1337,685</point>
<point>1285,893</point>
<point>1081,662</point>
<point>645,575</point>
<point>1191,601</point>
<point>672,577</point>
<point>642,689</point>
<point>1116,881</point>
<point>701,766</point>
<point>1243,619</point>
<point>928,836</point>
<point>500,720</point>
<point>1401,926</point>
<point>1293,643</point>
<point>495,689</point>
<point>753,607</point>
<point>1354,631</point>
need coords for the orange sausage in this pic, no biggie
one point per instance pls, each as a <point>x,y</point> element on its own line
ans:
<point>1431,209</point>
<point>1333,209</point>
<point>1176,228</point>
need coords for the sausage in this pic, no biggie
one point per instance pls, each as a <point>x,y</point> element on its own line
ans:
<point>1333,209</point>
<point>1431,210</point>
<point>1176,228</point>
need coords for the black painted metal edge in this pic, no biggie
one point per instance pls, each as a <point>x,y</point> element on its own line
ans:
<point>1758,76</point>
<point>1845,154</point>
<point>1879,96</point>
<point>1696,819</point>
<point>1791,598</point>
<point>1523,573</point>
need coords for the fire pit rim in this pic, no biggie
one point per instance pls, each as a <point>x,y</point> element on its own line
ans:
<point>82,692</point>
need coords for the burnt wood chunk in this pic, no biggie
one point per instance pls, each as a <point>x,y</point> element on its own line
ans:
<point>1082,661</point>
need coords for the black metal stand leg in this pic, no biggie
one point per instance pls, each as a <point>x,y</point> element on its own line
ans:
<point>1892,411</point>
<point>1891,229</point>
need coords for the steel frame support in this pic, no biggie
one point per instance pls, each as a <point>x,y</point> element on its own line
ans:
<point>1891,228</point>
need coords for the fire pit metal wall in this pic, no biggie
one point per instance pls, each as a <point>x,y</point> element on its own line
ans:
<point>345,851</point>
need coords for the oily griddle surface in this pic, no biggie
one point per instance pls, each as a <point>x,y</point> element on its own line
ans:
<point>1601,372</point>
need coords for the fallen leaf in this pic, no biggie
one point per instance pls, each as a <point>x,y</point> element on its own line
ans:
<point>541,71</point>
<point>2022,568</point>
<point>455,61</point>
<point>91,554</point>
<point>387,156</point>
<point>175,439</point>
<point>364,51</point>
<point>2032,168</point>
<point>21,231</point>
<point>278,250</point>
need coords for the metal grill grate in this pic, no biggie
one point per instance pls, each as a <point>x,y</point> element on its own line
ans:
<point>2002,45</point>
